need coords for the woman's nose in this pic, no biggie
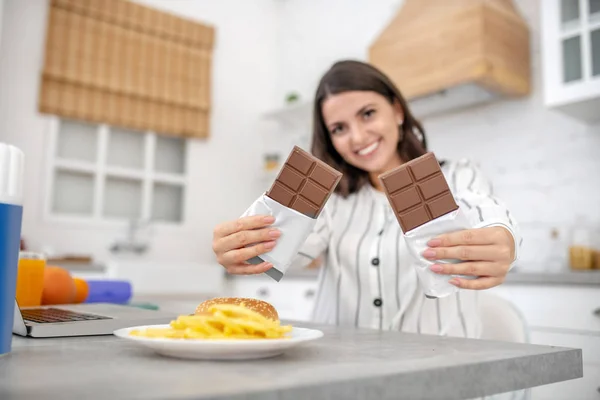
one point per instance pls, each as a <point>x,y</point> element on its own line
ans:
<point>358,135</point>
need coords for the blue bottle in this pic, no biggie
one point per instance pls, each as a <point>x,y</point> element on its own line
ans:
<point>11,212</point>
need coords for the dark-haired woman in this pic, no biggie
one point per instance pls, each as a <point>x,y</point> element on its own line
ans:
<point>363,128</point>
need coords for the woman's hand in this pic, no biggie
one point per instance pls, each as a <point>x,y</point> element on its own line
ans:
<point>485,252</point>
<point>234,242</point>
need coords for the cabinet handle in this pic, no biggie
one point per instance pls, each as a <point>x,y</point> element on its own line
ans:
<point>309,293</point>
<point>597,313</point>
<point>263,292</point>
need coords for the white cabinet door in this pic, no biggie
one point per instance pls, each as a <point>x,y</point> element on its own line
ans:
<point>562,316</point>
<point>589,344</point>
<point>584,388</point>
<point>565,307</point>
<point>570,50</point>
<point>293,298</point>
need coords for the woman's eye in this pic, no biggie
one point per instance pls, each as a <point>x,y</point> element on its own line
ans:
<point>368,113</point>
<point>335,130</point>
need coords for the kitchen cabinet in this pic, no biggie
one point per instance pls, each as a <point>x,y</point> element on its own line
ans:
<point>562,315</point>
<point>292,297</point>
<point>570,48</point>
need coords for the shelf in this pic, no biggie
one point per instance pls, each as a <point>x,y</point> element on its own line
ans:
<point>295,114</point>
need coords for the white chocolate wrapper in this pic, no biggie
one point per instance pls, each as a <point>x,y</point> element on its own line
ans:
<point>294,227</point>
<point>435,285</point>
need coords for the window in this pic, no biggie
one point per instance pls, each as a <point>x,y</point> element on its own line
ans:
<point>103,173</point>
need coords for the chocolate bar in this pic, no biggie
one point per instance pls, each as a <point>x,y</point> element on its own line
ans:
<point>418,192</point>
<point>304,183</point>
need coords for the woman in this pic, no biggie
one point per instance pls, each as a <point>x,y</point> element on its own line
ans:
<point>363,128</point>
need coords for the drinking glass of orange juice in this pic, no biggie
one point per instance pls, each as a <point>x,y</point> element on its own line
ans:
<point>30,279</point>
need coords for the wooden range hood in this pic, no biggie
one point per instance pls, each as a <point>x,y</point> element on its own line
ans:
<point>448,54</point>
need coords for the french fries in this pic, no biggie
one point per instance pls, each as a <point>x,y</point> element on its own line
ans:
<point>224,321</point>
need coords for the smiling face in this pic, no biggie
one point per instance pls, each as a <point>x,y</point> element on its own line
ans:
<point>364,129</point>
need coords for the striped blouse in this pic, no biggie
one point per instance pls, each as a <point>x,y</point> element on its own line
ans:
<point>367,279</point>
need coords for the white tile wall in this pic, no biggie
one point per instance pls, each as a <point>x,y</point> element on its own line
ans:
<point>544,166</point>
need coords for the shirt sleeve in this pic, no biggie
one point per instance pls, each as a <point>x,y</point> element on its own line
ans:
<point>475,194</point>
<point>317,241</point>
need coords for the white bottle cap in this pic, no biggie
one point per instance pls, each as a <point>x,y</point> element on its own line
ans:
<point>12,162</point>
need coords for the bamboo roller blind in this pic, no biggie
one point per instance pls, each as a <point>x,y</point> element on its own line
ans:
<point>120,63</point>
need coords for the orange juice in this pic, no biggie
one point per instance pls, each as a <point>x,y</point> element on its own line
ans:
<point>30,279</point>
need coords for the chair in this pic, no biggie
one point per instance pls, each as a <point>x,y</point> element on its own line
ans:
<point>501,320</point>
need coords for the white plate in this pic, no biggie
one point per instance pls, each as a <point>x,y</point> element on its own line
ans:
<point>217,349</point>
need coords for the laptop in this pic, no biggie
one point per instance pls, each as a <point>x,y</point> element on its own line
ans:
<point>83,319</point>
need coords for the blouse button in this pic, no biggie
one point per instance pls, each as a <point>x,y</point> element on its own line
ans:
<point>375,261</point>
<point>377,302</point>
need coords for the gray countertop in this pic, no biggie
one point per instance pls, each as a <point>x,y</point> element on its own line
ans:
<point>344,364</point>
<point>518,276</point>
<point>567,277</point>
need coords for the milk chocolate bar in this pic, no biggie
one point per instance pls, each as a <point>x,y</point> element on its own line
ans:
<point>418,192</point>
<point>304,183</point>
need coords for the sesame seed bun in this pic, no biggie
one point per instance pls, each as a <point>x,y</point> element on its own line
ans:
<point>259,306</point>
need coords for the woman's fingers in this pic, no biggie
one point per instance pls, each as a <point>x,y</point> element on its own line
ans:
<point>465,253</point>
<point>242,224</point>
<point>482,283</point>
<point>240,256</point>
<point>479,268</point>
<point>244,238</point>
<point>479,236</point>
<point>246,269</point>
<point>486,253</point>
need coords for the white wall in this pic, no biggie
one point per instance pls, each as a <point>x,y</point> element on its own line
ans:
<point>222,169</point>
<point>316,33</point>
<point>552,176</point>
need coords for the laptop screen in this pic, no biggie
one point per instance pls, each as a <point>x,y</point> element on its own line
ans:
<point>18,324</point>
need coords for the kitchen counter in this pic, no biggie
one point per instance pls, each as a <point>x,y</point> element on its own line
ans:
<point>297,273</point>
<point>568,277</point>
<point>344,364</point>
<point>588,278</point>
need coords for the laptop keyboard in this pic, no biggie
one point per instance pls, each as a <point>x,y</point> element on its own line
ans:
<point>48,315</point>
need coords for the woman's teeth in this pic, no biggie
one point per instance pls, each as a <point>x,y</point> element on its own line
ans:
<point>369,149</point>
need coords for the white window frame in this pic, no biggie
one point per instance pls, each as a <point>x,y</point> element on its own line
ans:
<point>100,170</point>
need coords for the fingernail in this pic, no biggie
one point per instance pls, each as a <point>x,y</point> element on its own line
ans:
<point>269,219</point>
<point>436,268</point>
<point>268,266</point>
<point>269,245</point>
<point>454,282</point>
<point>274,233</point>
<point>434,242</point>
<point>429,253</point>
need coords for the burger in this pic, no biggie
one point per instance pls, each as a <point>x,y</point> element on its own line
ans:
<point>262,307</point>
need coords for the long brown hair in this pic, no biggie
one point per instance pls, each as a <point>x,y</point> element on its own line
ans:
<point>349,75</point>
